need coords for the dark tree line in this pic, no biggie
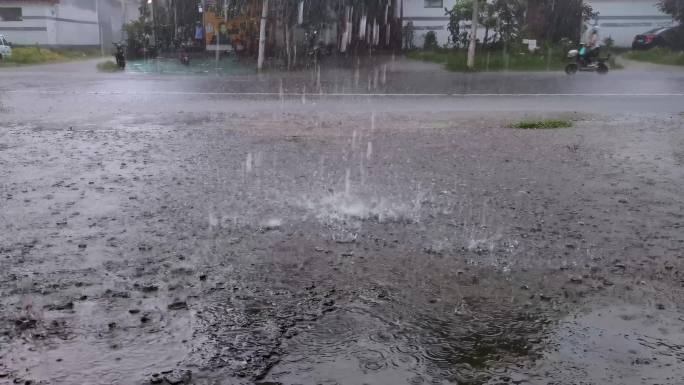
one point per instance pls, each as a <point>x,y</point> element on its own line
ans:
<point>285,28</point>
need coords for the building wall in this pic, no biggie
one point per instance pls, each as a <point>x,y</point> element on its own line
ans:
<point>623,19</point>
<point>33,29</point>
<point>425,19</point>
<point>76,23</point>
<point>72,23</point>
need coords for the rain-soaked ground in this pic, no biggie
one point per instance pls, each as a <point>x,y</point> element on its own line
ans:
<point>238,229</point>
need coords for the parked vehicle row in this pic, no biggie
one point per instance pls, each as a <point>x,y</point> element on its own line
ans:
<point>5,48</point>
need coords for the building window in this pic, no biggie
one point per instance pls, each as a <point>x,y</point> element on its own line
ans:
<point>434,3</point>
<point>10,14</point>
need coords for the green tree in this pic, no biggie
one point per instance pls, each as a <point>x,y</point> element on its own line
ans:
<point>674,8</point>
<point>504,17</point>
<point>459,14</point>
<point>138,32</point>
<point>488,18</point>
<point>553,20</point>
<point>510,19</point>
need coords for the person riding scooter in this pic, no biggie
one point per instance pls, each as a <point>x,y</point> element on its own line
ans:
<point>587,57</point>
<point>593,48</point>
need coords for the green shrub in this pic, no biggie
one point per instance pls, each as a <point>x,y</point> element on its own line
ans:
<point>108,66</point>
<point>35,55</point>
<point>430,41</point>
<point>38,55</point>
<point>659,56</point>
<point>456,60</point>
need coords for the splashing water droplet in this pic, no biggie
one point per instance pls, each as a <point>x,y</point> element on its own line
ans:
<point>213,221</point>
<point>248,163</point>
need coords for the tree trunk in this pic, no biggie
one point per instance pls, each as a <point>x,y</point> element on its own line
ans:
<point>287,44</point>
<point>262,35</point>
<point>473,37</point>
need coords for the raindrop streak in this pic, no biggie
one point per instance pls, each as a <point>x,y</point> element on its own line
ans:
<point>248,163</point>
<point>281,91</point>
<point>375,78</point>
<point>353,144</point>
<point>304,95</point>
<point>373,121</point>
<point>362,172</point>
<point>318,79</point>
<point>369,150</point>
<point>347,182</point>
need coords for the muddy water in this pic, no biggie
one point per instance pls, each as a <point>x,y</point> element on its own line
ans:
<point>279,249</point>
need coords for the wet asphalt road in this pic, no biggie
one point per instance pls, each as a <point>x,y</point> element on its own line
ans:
<point>297,229</point>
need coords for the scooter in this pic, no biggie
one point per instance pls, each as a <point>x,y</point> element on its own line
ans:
<point>585,63</point>
<point>120,55</point>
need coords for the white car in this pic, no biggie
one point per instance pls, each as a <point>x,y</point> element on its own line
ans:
<point>5,48</point>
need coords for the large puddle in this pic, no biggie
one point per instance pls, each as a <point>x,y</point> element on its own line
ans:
<point>620,345</point>
<point>360,347</point>
<point>227,66</point>
<point>92,344</point>
<point>612,345</point>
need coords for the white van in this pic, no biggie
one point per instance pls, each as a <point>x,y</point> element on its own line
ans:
<point>5,48</point>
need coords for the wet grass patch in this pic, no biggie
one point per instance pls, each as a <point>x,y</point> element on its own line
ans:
<point>658,56</point>
<point>456,60</point>
<point>38,55</point>
<point>543,124</point>
<point>108,66</point>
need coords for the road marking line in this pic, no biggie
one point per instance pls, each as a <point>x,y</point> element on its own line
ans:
<point>299,94</point>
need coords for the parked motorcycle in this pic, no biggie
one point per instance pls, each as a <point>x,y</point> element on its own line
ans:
<point>315,49</point>
<point>586,63</point>
<point>184,56</point>
<point>120,55</point>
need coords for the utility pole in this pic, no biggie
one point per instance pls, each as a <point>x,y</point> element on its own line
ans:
<point>175,20</point>
<point>401,25</point>
<point>123,18</point>
<point>99,26</point>
<point>154,22</point>
<point>581,20</point>
<point>262,35</point>
<point>473,36</point>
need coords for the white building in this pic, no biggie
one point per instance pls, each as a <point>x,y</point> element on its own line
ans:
<point>65,23</point>
<point>619,19</point>
<point>623,19</point>
<point>425,16</point>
